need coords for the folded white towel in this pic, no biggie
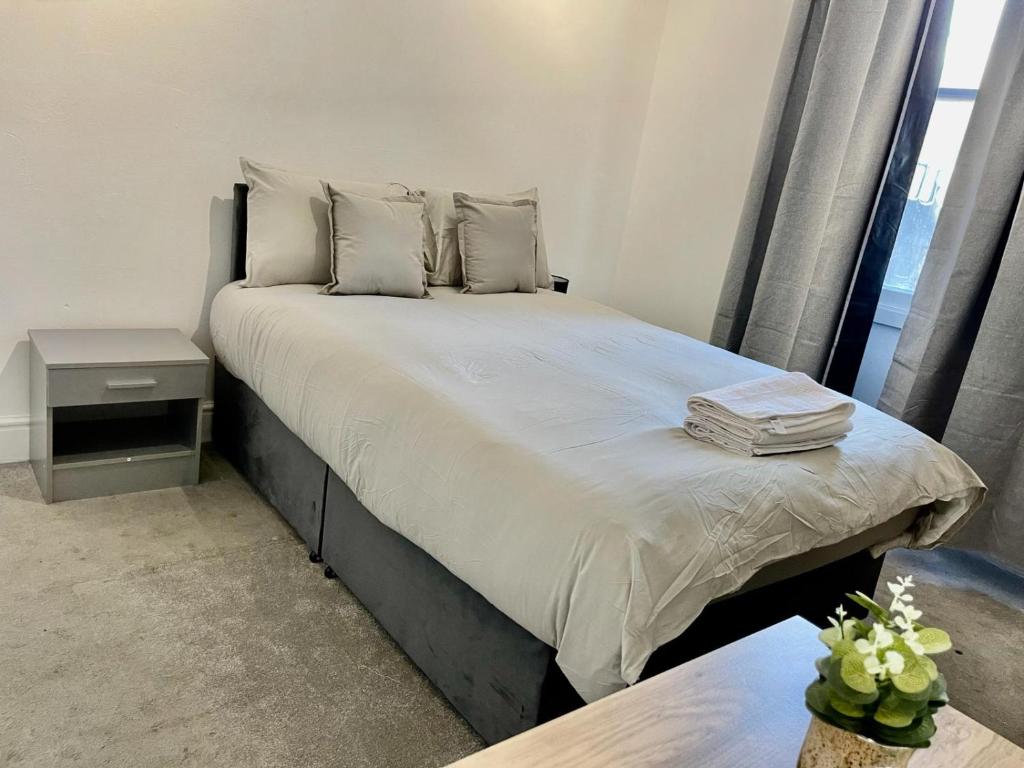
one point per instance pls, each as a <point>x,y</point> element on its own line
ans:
<point>767,437</point>
<point>776,414</point>
<point>700,430</point>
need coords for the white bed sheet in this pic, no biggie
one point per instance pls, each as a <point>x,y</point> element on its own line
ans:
<point>532,444</point>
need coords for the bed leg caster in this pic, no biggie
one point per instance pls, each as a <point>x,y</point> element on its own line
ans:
<point>329,573</point>
<point>315,558</point>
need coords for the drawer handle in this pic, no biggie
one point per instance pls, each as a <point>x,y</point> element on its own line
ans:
<point>132,384</point>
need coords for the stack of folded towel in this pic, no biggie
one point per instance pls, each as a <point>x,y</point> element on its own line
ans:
<point>778,414</point>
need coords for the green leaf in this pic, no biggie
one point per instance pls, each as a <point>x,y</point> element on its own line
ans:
<point>915,668</point>
<point>842,648</point>
<point>851,669</point>
<point>844,707</point>
<point>915,735</point>
<point>817,699</point>
<point>929,667</point>
<point>896,712</point>
<point>913,680</point>
<point>871,606</point>
<point>829,636</point>
<point>837,633</point>
<point>835,681</point>
<point>937,695</point>
<point>934,640</point>
<point>821,664</point>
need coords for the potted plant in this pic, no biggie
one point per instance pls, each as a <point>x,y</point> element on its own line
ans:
<point>877,688</point>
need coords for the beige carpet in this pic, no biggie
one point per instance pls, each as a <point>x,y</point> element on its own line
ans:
<point>186,627</point>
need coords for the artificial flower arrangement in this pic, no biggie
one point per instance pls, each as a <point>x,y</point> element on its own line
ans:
<point>879,680</point>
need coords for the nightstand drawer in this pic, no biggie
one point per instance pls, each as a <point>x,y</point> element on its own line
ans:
<point>124,384</point>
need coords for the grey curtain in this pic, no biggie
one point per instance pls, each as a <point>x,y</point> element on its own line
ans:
<point>835,105</point>
<point>958,371</point>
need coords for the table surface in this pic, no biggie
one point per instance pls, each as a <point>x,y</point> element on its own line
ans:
<point>740,706</point>
<point>73,348</point>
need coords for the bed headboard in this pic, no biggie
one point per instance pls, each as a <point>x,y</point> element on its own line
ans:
<point>238,233</point>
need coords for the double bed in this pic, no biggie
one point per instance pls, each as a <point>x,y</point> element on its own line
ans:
<point>502,480</point>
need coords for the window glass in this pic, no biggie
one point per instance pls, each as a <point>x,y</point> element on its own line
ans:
<point>934,169</point>
<point>972,29</point>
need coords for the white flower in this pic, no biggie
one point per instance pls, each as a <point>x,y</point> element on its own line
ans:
<point>904,620</point>
<point>872,665</point>
<point>911,613</point>
<point>838,631</point>
<point>883,637</point>
<point>841,613</point>
<point>892,665</point>
<point>901,602</point>
<point>910,638</point>
<point>879,639</point>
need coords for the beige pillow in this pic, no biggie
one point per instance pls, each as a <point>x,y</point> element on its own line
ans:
<point>378,245</point>
<point>498,244</point>
<point>444,262</point>
<point>288,236</point>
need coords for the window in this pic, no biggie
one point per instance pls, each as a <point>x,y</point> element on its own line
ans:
<point>972,29</point>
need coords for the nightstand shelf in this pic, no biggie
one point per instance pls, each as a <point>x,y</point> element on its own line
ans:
<point>120,455</point>
<point>114,411</point>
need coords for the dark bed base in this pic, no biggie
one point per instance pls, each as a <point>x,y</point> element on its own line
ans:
<point>269,455</point>
<point>501,678</point>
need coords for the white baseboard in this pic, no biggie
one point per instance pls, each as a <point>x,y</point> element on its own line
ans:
<point>13,438</point>
<point>14,434</point>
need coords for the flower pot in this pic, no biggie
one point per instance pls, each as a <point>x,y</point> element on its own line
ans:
<point>826,746</point>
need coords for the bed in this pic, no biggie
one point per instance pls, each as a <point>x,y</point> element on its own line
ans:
<point>502,481</point>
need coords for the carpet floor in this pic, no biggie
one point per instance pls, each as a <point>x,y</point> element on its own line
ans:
<point>186,627</point>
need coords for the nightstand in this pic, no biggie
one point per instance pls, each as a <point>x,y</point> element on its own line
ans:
<point>114,411</point>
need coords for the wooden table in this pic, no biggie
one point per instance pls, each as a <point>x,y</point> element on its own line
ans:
<point>739,706</point>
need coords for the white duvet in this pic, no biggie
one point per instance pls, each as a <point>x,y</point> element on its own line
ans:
<point>532,444</point>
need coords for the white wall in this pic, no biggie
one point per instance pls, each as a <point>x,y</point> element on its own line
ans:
<point>121,123</point>
<point>715,68</point>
